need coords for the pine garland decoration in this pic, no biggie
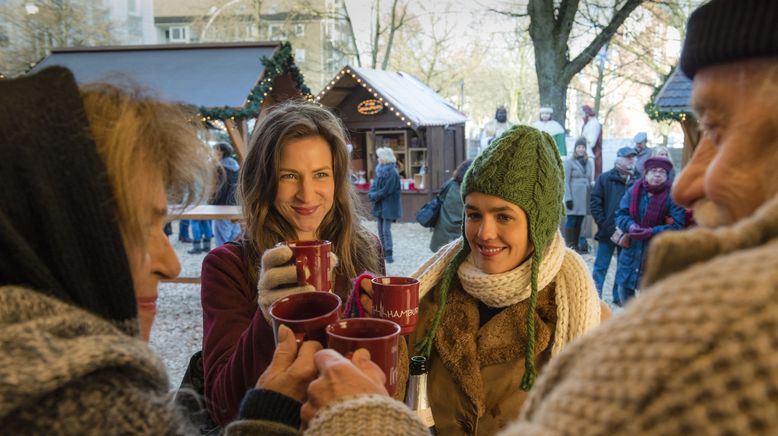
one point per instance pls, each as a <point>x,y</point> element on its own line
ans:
<point>656,114</point>
<point>281,62</point>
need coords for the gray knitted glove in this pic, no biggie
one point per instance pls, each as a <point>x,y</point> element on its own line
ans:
<point>277,279</point>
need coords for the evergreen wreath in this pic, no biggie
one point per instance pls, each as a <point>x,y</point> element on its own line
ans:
<point>658,114</point>
<point>281,62</point>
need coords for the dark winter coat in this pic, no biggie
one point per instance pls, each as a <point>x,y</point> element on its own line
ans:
<point>449,224</point>
<point>606,195</point>
<point>630,264</point>
<point>385,193</point>
<point>227,181</point>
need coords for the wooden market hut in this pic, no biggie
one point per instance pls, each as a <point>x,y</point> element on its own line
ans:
<point>394,109</point>
<point>228,82</point>
<point>672,102</point>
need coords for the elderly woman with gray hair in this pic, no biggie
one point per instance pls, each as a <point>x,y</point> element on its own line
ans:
<point>385,195</point>
<point>663,151</point>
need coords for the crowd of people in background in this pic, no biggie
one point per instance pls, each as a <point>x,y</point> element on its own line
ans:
<point>629,199</point>
<point>222,231</point>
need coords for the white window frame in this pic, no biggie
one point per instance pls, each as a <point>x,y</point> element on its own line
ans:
<point>270,30</point>
<point>183,30</point>
<point>137,9</point>
<point>299,55</point>
<point>299,29</point>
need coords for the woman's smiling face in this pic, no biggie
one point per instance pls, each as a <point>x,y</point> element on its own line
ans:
<point>306,185</point>
<point>497,232</point>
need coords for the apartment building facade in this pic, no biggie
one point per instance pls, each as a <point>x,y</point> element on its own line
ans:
<point>29,29</point>
<point>316,29</point>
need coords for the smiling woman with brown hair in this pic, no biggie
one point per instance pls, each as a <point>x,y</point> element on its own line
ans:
<point>294,185</point>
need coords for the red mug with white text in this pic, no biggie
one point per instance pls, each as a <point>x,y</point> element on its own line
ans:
<point>397,299</point>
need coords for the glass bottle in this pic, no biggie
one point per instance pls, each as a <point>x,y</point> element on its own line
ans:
<point>416,398</point>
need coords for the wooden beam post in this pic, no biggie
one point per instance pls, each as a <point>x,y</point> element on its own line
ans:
<point>237,138</point>
<point>691,136</point>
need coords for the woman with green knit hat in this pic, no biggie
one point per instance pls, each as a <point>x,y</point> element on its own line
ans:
<point>498,303</point>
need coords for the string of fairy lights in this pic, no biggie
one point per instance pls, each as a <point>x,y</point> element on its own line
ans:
<point>347,71</point>
<point>281,62</point>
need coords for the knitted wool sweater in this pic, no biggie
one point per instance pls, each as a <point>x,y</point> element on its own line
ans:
<point>695,354</point>
<point>63,368</point>
<point>66,371</point>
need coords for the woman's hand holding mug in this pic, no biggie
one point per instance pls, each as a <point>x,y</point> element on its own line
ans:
<point>277,278</point>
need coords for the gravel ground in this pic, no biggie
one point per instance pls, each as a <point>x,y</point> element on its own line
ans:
<point>177,332</point>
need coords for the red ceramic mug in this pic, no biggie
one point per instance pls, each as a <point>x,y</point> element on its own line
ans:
<point>307,314</point>
<point>397,299</point>
<point>378,336</point>
<point>315,256</point>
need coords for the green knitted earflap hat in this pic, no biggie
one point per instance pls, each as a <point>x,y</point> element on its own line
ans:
<point>522,167</point>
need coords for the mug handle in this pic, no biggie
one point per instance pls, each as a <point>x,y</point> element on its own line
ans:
<point>300,262</point>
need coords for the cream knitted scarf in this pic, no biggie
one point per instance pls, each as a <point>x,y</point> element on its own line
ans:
<point>578,306</point>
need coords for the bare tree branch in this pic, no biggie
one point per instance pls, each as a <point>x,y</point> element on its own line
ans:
<point>394,25</point>
<point>604,36</point>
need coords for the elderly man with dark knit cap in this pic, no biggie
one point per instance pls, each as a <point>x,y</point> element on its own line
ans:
<point>696,353</point>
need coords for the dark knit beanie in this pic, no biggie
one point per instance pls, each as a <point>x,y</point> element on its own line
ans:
<point>658,162</point>
<point>727,30</point>
<point>523,167</point>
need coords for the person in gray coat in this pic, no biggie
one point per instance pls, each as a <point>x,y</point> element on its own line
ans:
<point>449,224</point>
<point>579,173</point>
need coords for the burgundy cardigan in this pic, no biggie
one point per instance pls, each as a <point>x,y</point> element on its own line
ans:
<point>237,341</point>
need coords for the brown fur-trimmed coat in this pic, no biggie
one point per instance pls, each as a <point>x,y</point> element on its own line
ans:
<point>475,373</point>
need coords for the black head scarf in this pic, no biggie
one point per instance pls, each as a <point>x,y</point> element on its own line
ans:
<point>58,227</point>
